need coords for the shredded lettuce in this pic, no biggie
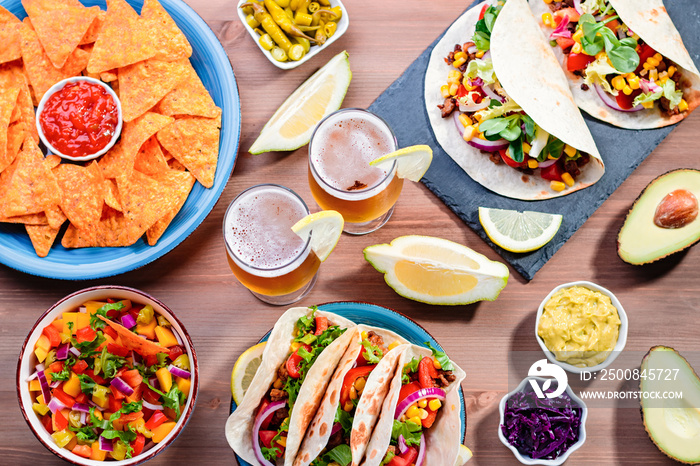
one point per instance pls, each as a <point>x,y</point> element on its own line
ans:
<point>648,97</point>
<point>671,93</point>
<point>480,68</point>
<point>596,73</point>
<point>500,110</point>
<point>594,6</point>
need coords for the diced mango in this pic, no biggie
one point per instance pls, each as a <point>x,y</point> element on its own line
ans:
<point>70,445</point>
<point>165,379</point>
<point>149,329</point>
<point>78,319</point>
<point>35,385</point>
<point>43,343</point>
<point>165,337</point>
<point>58,324</point>
<point>65,336</point>
<point>93,306</point>
<point>63,437</point>
<point>40,400</point>
<point>97,454</point>
<point>40,354</point>
<point>72,385</point>
<point>160,432</point>
<point>183,384</point>
<point>40,409</point>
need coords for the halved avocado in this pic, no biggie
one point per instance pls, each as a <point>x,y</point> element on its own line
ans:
<point>672,424</point>
<point>642,240</point>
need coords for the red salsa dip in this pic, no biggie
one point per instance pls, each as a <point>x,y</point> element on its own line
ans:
<point>80,119</point>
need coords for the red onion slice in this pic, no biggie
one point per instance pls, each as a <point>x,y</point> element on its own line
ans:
<point>177,372</point>
<point>421,451</point>
<point>612,103</point>
<point>475,107</point>
<point>45,392</point>
<point>488,90</point>
<point>262,415</point>
<point>83,418</point>
<point>106,444</point>
<point>62,352</point>
<point>403,448</point>
<point>432,392</point>
<point>75,351</point>
<point>151,406</point>
<point>56,405</point>
<point>561,30</point>
<point>472,49</point>
<point>547,163</point>
<point>81,407</point>
<point>122,386</point>
<point>577,7</point>
<point>458,124</point>
<point>336,428</point>
<point>128,321</point>
<point>488,146</point>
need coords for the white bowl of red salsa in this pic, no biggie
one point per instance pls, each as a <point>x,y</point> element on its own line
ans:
<point>147,422</point>
<point>79,118</point>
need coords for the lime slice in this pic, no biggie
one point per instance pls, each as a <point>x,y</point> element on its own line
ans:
<point>437,271</point>
<point>292,124</point>
<point>244,370</point>
<point>519,232</point>
<point>325,228</point>
<point>412,162</point>
<point>465,454</point>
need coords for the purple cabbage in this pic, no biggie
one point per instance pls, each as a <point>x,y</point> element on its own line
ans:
<point>541,429</point>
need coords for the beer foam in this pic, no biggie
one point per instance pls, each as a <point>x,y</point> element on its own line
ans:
<point>258,228</point>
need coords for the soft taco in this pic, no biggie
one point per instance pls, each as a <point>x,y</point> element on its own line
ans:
<point>350,408</point>
<point>625,60</point>
<point>506,114</point>
<point>299,359</point>
<point>420,421</point>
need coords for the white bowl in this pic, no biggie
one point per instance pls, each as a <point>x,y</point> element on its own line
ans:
<point>57,87</point>
<point>526,459</point>
<point>621,338</point>
<point>289,64</point>
<point>27,361</point>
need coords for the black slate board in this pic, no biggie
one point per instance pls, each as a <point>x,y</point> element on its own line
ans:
<point>402,105</point>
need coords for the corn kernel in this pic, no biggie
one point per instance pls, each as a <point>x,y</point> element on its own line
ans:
<point>647,66</point>
<point>576,48</point>
<point>465,120</point>
<point>618,82</point>
<point>481,136</point>
<point>469,132</point>
<point>653,75</point>
<point>445,91</point>
<point>663,74</point>
<point>364,335</point>
<point>460,55</point>
<point>526,147</point>
<point>467,85</point>
<point>459,62</point>
<point>453,74</point>
<point>600,55</point>
<point>476,117</point>
<point>532,163</point>
<point>548,1</point>
<point>627,90</point>
<point>658,56</point>
<point>353,393</point>
<point>282,441</point>
<point>683,106</point>
<point>294,346</point>
<point>278,384</point>
<point>434,404</point>
<point>653,62</point>
<point>423,403</point>
<point>577,35</point>
<point>647,104</point>
<point>348,406</point>
<point>570,151</point>
<point>360,384</point>
<point>413,411</point>
<point>663,80</point>
<point>453,91</point>
<point>671,71</point>
<point>480,54</point>
<point>436,364</point>
<point>568,179</point>
<point>415,420</point>
<point>634,83</point>
<point>423,414</point>
<point>557,186</point>
<point>547,19</point>
<point>394,345</point>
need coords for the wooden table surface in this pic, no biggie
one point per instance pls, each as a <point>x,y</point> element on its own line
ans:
<point>224,319</point>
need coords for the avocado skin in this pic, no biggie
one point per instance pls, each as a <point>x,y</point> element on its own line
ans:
<point>641,407</point>
<point>634,205</point>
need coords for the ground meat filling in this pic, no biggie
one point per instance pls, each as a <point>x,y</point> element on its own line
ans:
<point>556,6</point>
<point>277,395</point>
<point>337,439</point>
<point>375,339</point>
<point>445,378</point>
<point>448,106</point>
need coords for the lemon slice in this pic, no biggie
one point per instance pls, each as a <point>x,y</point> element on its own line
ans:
<point>412,162</point>
<point>465,454</point>
<point>292,124</point>
<point>519,232</point>
<point>437,271</point>
<point>244,370</point>
<point>325,228</point>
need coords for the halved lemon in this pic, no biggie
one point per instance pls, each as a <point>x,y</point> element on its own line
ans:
<point>519,231</point>
<point>437,271</point>
<point>412,162</point>
<point>244,370</point>
<point>325,228</point>
<point>292,124</point>
<point>465,454</point>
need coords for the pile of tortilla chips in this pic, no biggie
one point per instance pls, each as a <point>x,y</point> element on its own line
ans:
<point>170,136</point>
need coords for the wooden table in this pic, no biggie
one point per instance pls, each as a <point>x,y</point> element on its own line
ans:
<point>224,319</point>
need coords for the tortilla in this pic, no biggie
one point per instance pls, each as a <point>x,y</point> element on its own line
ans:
<point>442,439</point>
<point>42,238</point>
<point>239,425</point>
<point>648,19</point>
<point>532,77</point>
<point>132,341</point>
<point>367,412</point>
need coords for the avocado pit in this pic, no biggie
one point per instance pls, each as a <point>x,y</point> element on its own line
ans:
<point>677,209</point>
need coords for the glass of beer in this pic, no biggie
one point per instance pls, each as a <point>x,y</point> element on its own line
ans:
<point>264,254</point>
<point>341,179</point>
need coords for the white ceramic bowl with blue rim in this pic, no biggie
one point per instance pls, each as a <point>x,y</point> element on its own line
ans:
<point>289,64</point>
<point>58,87</point>
<point>621,338</point>
<point>526,459</point>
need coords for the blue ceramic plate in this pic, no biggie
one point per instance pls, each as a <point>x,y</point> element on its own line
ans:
<point>214,69</point>
<point>371,314</point>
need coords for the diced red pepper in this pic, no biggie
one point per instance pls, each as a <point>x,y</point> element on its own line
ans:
<point>428,421</point>
<point>84,451</point>
<point>157,419</point>
<point>47,423</point>
<point>266,422</point>
<point>151,396</point>
<point>138,444</point>
<point>93,376</point>
<point>59,420</point>
<point>53,335</point>
<point>170,413</point>
<point>175,352</point>
<point>294,361</point>
<point>125,418</point>
<point>408,389</point>
<point>85,334</point>
<point>80,366</point>
<point>552,172</point>
<point>114,404</point>
<point>565,42</point>
<point>644,53</point>
<point>63,397</point>
<point>404,459</point>
<point>321,325</point>
<point>150,360</point>
<point>510,162</point>
<point>117,350</point>
<point>427,372</point>
<point>56,367</point>
<point>81,398</point>
<point>266,437</point>
<point>627,101</point>
<point>573,15</point>
<point>117,394</point>
<point>578,61</point>
<point>349,381</point>
<point>111,332</point>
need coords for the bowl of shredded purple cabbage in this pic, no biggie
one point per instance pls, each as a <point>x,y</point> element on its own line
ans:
<point>542,431</point>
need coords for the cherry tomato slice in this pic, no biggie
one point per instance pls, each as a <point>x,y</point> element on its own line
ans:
<point>578,61</point>
<point>321,325</point>
<point>349,381</point>
<point>294,361</point>
<point>427,372</point>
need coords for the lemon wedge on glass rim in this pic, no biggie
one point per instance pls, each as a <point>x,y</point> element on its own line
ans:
<point>519,231</point>
<point>411,162</point>
<point>290,127</point>
<point>465,454</point>
<point>324,227</point>
<point>244,370</point>
<point>437,271</point>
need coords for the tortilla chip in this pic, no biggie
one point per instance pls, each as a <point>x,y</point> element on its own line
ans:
<point>109,76</point>
<point>12,75</point>
<point>143,84</point>
<point>15,136</point>
<point>144,201</point>
<point>94,30</point>
<point>112,194</point>
<point>132,341</point>
<point>33,187</point>
<point>194,142</point>
<point>110,231</point>
<point>41,72</point>
<point>120,159</point>
<point>8,102</point>
<point>52,161</point>
<point>124,39</point>
<point>60,26</point>
<point>176,165</point>
<point>42,237</point>
<point>150,160</point>
<point>55,216</point>
<point>170,43</point>
<point>190,97</point>
<point>9,36</point>
<point>180,183</point>
<point>83,194</point>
